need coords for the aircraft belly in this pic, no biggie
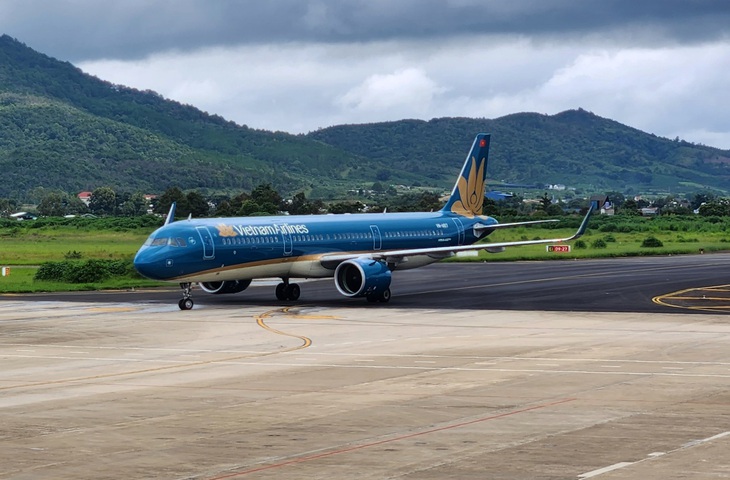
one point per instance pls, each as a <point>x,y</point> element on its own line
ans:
<point>309,269</point>
<point>288,269</point>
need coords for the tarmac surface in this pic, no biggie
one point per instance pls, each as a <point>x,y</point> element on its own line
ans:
<point>610,369</point>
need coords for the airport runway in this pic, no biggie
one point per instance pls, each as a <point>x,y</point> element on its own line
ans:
<point>611,285</point>
<point>499,371</point>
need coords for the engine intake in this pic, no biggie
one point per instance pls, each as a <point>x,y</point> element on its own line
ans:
<point>361,277</point>
<point>229,286</point>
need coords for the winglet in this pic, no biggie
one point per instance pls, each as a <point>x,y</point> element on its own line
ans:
<point>584,224</point>
<point>171,214</point>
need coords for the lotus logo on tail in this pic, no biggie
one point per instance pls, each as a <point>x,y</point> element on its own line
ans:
<point>471,190</point>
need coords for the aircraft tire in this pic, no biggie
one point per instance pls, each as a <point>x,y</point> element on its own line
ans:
<point>384,296</point>
<point>186,304</point>
<point>281,292</point>
<point>293,291</point>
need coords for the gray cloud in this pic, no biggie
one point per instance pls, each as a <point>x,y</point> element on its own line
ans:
<point>78,30</point>
<point>298,65</point>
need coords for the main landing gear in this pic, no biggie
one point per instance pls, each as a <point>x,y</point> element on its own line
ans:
<point>186,303</point>
<point>383,296</point>
<point>287,291</point>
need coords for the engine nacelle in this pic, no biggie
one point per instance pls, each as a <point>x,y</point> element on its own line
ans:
<point>231,286</point>
<point>360,277</point>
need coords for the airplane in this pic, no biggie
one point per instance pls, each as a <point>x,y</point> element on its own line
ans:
<point>360,251</point>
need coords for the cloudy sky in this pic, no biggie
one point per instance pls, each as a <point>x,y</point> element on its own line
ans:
<point>662,66</point>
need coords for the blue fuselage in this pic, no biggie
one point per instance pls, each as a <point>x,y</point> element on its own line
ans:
<point>220,249</point>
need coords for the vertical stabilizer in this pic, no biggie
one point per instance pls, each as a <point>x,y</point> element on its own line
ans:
<point>467,197</point>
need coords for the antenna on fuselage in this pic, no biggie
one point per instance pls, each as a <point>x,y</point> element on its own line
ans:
<point>171,214</point>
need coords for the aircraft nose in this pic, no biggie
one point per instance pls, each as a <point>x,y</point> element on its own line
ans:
<point>146,264</point>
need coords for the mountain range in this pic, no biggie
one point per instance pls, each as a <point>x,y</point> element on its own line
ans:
<point>62,129</point>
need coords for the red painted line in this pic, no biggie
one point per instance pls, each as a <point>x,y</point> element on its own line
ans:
<point>390,440</point>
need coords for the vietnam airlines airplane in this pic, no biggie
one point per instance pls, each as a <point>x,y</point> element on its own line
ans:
<point>360,251</point>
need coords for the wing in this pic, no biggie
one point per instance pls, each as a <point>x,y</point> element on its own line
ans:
<point>396,256</point>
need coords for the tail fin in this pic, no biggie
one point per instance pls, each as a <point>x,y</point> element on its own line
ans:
<point>467,197</point>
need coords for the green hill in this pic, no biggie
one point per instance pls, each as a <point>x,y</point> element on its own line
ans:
<point>63,129</point>
<point>574,148</point>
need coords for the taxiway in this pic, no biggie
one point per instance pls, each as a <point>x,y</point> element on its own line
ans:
<point>128,386</point>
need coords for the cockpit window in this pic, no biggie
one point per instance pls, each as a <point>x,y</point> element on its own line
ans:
<point>159,242</point>
<point>178,242</point>
<point>164,241</point>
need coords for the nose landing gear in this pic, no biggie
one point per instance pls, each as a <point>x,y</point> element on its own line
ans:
<point>186,303</point>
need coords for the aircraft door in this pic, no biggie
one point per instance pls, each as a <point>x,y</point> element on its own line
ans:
<point>377,239</point>
<point>207,239</point>
<point>287,239</point>
<point>460,230</point>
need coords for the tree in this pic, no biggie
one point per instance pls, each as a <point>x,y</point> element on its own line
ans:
<point>301,206</point>
<point>197,204</point>
<point>58,204</point>
<point>7,206</point>
<point>265,194</point>
<point>103,201</point>
<point>76,206</point>
<point>545,202</point>
<point>630,207</point>
<point>700,198</point>
<point>53,204</point>
<point>172,194</point>
<point>250,209</point>
<point>717,208</point>
<point>224,209</point>
<point>382,175</point>
<point>554,210</point>
<point>346,207</point>
<point>134,206</point>
<point>237,201</point>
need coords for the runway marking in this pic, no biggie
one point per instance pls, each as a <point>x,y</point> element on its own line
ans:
<point>112,309</point>
<point>490,360</point>
<point>260,320</point>
<point>323,453</point>
<point>652,456</point>
<point>603,470</point>
<point>478,359</point>
<point>701,302</point>
<point>471,369</point>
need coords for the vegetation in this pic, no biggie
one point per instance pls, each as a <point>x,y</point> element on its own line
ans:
<point>66,131</point>
<point>89,271</point>
<point>574,148</point>
<point>90,253</point>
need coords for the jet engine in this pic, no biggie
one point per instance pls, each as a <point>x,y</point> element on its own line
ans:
<point>363,277</point>
<point>231,286</point>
